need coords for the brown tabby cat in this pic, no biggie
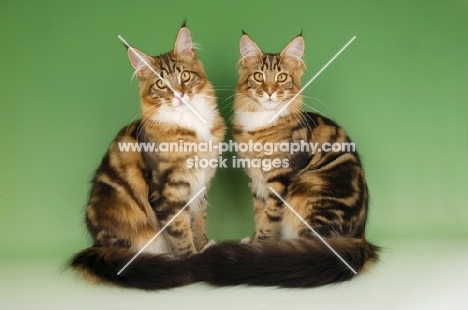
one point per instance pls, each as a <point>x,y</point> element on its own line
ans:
<point>134,194</point>
<point>327,189</point>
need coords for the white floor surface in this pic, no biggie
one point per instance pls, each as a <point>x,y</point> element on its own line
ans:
<point>411,275</point>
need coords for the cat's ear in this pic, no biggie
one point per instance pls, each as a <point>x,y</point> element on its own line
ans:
<point>294,50</point>
<point>249,50</point>
<point>138,59</point>
<point>183,45</point>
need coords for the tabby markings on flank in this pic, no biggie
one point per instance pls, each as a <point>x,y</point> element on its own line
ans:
<point>313,230</point>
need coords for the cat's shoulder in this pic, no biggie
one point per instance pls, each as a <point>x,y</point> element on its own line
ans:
<point>315,119</point>
<point>131,131</point>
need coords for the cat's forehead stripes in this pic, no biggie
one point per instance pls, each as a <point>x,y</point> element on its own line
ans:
<point>167,64</point>
<point>271,62</point>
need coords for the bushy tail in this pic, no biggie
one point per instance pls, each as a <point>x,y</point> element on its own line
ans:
<point>286,263</point>
<point>147,271</point>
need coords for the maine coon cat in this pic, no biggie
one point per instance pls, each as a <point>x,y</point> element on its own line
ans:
<point>134,194</point>
<point>327,189</point>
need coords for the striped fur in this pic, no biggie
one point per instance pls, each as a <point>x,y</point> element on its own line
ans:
<point>327,189</point>
<point>134,194</point>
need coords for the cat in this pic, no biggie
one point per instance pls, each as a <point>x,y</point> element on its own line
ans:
<point>135,194</point>
<point>326,189</point>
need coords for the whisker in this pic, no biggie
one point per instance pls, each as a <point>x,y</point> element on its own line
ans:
<point>329,114</point>
<point>147,123</point>
<point>314,109</point>
<point>133,119</point>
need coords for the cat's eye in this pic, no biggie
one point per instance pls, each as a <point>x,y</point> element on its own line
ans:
<point>281,77</point>
<point>184,76</point>
<point>160,84</point>
<point>258,76</point>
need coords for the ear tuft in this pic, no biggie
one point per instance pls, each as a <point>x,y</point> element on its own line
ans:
<point>295,48</point>
<point>248,48</point>
<point>136,57</point>
<point>183,45</point>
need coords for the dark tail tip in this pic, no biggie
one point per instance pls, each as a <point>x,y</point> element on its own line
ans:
<point>294,264</point>
<point>147,271</point>
<point>184,23</point>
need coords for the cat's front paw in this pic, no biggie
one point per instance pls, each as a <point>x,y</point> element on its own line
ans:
<point>209,243</point>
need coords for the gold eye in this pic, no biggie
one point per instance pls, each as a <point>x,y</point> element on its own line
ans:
<point>258,76</point>
<point>281,77</point>
<point>184,76</point>
<point>160,84</point>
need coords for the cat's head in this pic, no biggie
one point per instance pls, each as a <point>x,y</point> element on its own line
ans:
<point>268,81</point>
<point>183,82</point>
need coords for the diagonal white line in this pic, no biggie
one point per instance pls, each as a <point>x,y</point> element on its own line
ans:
<point>161,230</point>
<point>160,77</point>
<point>311,80</point>
<point>313,230</point>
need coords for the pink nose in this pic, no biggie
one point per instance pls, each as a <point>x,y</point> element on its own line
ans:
<point>178,99</point>
<point>269,91</point>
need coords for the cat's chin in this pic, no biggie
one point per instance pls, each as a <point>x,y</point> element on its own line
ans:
<point>181,108</point>
<point>199,117</point>
<point>269,104</point>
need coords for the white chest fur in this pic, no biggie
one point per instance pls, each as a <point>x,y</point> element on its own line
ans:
<point>200,119</point>
<point>252,121</point>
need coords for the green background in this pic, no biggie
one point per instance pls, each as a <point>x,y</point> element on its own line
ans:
<point>400,90</point>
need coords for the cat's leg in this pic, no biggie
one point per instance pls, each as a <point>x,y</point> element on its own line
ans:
<point>178,232</point>
<point>268,215</point>
<point>259,206</point>
<point>198,225</point>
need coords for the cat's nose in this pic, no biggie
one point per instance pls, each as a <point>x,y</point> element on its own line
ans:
<point>178,99</point>
<point>178,95</point>
<point>269,91</point>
